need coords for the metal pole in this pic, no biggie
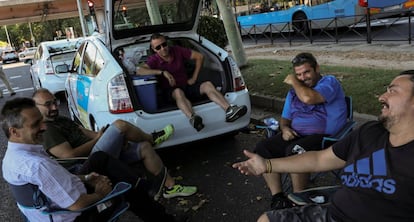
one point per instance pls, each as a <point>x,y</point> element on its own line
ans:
<point>7,34</point>
<point>81,17</point>
<point>32,38</point>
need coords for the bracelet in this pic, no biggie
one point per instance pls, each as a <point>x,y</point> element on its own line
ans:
<point>268,166</point>
<point>87,177</point>
<point>162,73</point>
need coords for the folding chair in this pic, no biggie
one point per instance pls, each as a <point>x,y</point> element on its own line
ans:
<point>29,196</point>
<point>347,128</point>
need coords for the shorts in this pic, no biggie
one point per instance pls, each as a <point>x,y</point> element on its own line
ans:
<point>276,146</point>
<point>307,213</point>
<point>113,143</point>
<point>192,92</point>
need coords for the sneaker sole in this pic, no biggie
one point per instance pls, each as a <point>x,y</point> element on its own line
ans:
<point>168,196</point>
<point>237,115</point>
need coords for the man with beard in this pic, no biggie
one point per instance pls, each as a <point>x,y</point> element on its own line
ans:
<point>315,107</point>
<point>377,161</point>
<point>26,163</point>
<point>64,138</point>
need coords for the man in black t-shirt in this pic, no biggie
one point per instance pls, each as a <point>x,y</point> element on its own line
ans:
<point>377,176</point>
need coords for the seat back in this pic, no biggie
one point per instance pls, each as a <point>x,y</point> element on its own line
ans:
<point>347,128</point>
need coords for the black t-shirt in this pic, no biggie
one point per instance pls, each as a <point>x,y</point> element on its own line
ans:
<point>61,130</point>
<point>378,179</point>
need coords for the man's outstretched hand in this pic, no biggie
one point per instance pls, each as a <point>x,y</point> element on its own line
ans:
<point>255,165</point>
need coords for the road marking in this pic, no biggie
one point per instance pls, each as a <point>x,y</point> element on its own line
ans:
<point>16,89</point>
<point>15,77</point>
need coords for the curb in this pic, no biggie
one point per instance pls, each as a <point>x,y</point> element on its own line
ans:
<point>266,106</point>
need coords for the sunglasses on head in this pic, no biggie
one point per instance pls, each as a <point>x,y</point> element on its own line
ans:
<point>300,59</point>
<point>163,45</point>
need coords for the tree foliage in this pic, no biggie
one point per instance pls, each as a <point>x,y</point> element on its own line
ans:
<point>42,31</point>
<point>213,29</point>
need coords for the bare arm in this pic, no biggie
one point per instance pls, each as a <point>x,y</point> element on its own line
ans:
<point>312,161</point>
<point>287,132</point>
<point>306,95</point>
<point>65,150</point>
<point>199,58</point>
<point>146,70</point>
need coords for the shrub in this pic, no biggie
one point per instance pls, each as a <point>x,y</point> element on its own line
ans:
<point>212,29</point>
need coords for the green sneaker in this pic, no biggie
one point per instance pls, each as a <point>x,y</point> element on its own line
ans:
<point>163,135</point>
<point>179,191</point>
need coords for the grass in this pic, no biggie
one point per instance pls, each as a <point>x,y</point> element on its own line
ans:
<point>266,77</point>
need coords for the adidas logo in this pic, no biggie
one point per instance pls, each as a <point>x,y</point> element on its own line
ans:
<point>369,172</point>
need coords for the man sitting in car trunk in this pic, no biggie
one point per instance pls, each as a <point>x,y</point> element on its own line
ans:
<point>168,62</point>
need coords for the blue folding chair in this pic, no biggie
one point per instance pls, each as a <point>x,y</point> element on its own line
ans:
<point>347,128</point>
<point>29,196</point>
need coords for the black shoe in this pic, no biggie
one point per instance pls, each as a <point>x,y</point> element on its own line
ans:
<point>157,184</point>
<point>234,112</point>
<point>280,201</point>
<point>13,93</point>
<point>197,122</point>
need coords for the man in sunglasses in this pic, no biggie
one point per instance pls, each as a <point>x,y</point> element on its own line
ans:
<point>168,62</point>
<point>315,107</point>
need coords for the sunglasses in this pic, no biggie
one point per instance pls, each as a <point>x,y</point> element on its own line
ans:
<point>163,45</point>
<point>300,59</point>
<point>50,103</point>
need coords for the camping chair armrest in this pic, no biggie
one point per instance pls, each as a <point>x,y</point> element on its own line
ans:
<point>119,188</point>
<point>341,134</point>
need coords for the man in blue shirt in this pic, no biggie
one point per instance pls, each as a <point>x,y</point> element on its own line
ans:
<point>315,107</point>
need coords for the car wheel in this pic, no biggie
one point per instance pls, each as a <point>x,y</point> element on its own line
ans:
<point>300,23</point>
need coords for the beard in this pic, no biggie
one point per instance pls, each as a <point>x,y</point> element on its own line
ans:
<point>52,114</point>
<point>386,121</point>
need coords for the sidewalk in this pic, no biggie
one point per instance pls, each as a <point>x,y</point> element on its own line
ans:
<point>266,106</point>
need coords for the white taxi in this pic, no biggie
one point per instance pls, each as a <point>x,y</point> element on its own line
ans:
<point>100,88</point>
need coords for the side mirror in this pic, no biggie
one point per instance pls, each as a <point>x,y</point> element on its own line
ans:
<point>64,68</point>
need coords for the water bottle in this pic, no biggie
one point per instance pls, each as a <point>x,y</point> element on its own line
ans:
<point>298,149</point>
<point>272,123</point>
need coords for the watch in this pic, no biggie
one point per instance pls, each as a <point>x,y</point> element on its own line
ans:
<point>162,73</point>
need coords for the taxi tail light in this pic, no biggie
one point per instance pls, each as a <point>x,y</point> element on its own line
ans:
<point>49,67</point>
<point>118,96</point>
<point>238,81</point>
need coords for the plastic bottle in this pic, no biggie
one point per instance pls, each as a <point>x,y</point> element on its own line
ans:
<point>298,149</point>
<point>272,123</point>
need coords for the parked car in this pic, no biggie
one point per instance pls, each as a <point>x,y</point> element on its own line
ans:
<point>26,54</point>
<point>9,55</point>
<point>100,90</point>
<point>51,64</point>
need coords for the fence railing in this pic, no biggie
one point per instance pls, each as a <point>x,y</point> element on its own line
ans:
<point>359,28</point>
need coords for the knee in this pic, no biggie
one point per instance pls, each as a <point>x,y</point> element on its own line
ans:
<point>146,150</point>
<point>121,125</point>
<point>207,86</point>
<point>178,94</point>
<point>263,218</point>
